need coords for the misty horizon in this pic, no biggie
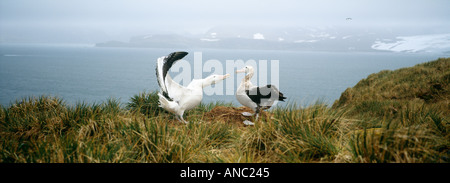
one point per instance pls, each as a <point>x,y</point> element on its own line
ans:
<point>98,21</point>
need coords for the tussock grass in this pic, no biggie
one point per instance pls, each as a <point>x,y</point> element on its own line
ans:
<point>404,114</point>
<point>145,103</point>
<point>377,121</point>
<point>310,134</point>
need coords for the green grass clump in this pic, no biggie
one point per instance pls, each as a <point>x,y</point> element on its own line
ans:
<point>309,134</point>
<point>145,103</point>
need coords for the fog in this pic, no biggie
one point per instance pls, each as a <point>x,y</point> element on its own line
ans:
<point>101,20</point>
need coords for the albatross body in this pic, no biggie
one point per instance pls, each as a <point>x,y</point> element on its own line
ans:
<point>176,98</point>
<point>255,97</point>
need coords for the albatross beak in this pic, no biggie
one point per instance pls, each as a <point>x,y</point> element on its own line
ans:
<point>240,71</point>
<point>226,76</point>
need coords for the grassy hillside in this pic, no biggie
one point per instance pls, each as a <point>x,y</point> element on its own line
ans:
<point>427,83</point>
<point>375,121</point>
<point>404,114</point>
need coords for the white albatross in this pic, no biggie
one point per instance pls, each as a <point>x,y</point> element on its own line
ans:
<point>255,97</point>
<point>176,98</point>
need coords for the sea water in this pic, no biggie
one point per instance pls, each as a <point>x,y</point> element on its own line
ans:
<point>86,73</point>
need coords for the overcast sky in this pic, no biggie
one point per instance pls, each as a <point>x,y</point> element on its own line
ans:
<point>197,16</point>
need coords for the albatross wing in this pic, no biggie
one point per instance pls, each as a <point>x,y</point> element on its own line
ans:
<point>263,95</point>
<point>171,59</point>
<point>162,68</point>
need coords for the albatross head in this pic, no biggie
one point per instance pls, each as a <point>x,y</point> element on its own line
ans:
<point>247,69</point>
<point>213,79</point>
<point>248,73</point>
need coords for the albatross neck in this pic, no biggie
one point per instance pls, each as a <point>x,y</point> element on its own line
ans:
<point>248,76</point>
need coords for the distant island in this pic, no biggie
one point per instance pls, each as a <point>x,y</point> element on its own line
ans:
<point>331,38</point>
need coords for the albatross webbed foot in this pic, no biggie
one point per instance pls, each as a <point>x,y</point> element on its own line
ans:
<point>247,114</point>
<point>248,123</point>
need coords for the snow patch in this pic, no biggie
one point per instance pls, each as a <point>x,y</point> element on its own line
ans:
<point>147,36</point>
<point>209,40</point>
<point>346,37</point>
<point>321,35</point>
<point>429,43</point>
<point>258,36</point>
<point>305,41</point>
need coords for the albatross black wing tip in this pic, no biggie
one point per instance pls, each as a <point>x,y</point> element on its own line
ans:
<point>171,59</point>
<point>176,56</point>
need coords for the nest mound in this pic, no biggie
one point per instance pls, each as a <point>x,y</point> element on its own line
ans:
<point>232,115</point>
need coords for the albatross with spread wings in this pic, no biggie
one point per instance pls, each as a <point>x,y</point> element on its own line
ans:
<point>176,98</point>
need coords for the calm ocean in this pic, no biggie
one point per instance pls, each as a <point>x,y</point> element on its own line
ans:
<point>91,74</point>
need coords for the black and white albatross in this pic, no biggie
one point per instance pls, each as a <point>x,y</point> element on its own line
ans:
<point>176,98</point>
<point>255,97</point>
